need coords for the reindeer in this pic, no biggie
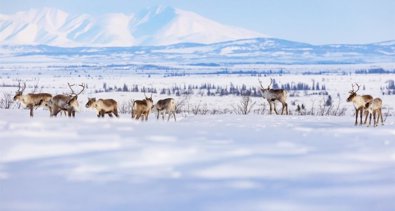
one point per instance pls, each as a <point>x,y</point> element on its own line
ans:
<point>67,103</point>
<point>103,106</point>
<point>31,100</point>
<point>142,108</point>
<point>167,105</point>
<point>359,102</point>
<point>271,95</point>
<point>374,108</point>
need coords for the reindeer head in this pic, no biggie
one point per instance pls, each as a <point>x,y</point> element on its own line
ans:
<point>73,103</point>
<point>353,92</point>
<point>149,99</point>
<point>90,103</point>
<point>263,89</point>
<point>19,93</point>
<point>73,100</point>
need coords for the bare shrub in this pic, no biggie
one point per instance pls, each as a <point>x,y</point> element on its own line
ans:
<point>181,103</point>
<point>6,101</point>
<point>260,110</point>
<point>387,112</point>
<point>126,107</point>
<point>245,106</point>
<point>326,110</point>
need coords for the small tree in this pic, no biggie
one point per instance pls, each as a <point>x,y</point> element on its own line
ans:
<point>6,101</point>
<point>245,106</point>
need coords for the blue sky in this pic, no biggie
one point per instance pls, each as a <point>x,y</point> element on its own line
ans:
<point>312,21</point>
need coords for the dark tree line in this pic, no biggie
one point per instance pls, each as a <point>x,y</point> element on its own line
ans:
<point>209,89</point>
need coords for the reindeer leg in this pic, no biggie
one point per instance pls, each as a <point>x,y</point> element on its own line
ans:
<point>286,108</point>
<point>366,117</point>
<point>360,115</point>
<point>174,114</point>
<point>381,115</point>
<point>31,110</point>
<point>370,119</point>
<point>374,118</point>
<point>270,107</point>
<point>356,117</point>
<point>274,107</point>
<point>55,111</point>
<point>116,113</point>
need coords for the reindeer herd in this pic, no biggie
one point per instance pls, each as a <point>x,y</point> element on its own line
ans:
<point>68,103</point>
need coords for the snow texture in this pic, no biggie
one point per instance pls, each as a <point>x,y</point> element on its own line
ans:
<point>197,163</point>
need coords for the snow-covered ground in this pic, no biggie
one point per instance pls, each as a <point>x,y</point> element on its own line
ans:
<point>216,162</point>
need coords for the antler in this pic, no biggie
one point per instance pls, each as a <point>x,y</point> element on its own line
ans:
<point>352,90</point>
<point>70,85</point>
<point>260,83</point>
<point>72,90</point>
<point>83,88</point>
<point>268,87</point>
<point>357,86</point>
<point>19,87</point>
<point>271,82</point>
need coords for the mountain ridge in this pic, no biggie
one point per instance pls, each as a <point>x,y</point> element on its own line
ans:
<point>152,26</point>
<point>255,50</point>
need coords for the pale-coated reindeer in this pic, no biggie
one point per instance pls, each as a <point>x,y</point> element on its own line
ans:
<point>142,108</point>
<point>164,106</point>
<point>271,95</point>
<point>31,100</point>
<point>67,103</point>
<point>375,108</point>
<point>359,102</point>
<point>103,106</point>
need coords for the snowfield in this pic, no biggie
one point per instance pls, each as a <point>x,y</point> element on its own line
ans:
<point>220,162</point>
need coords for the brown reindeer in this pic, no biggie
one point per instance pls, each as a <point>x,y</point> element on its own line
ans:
<point>374,108</point>
<point>31,100</point>
<point>271,95</point>
<point>167,105</point>
<point>103,106</point>
<point>359,103</point>
<point>67,103</point>
<point>142,108</point>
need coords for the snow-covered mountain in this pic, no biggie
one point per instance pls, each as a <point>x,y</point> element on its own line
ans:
<point>152,26</point>
<point>256,50</point>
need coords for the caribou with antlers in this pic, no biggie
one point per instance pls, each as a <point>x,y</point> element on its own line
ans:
<point>359,102</point>
<point>142,108</point>
<point>31,100</point>
<point>272,95</point>
<point>67,102</point>
<point>103,106</point>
